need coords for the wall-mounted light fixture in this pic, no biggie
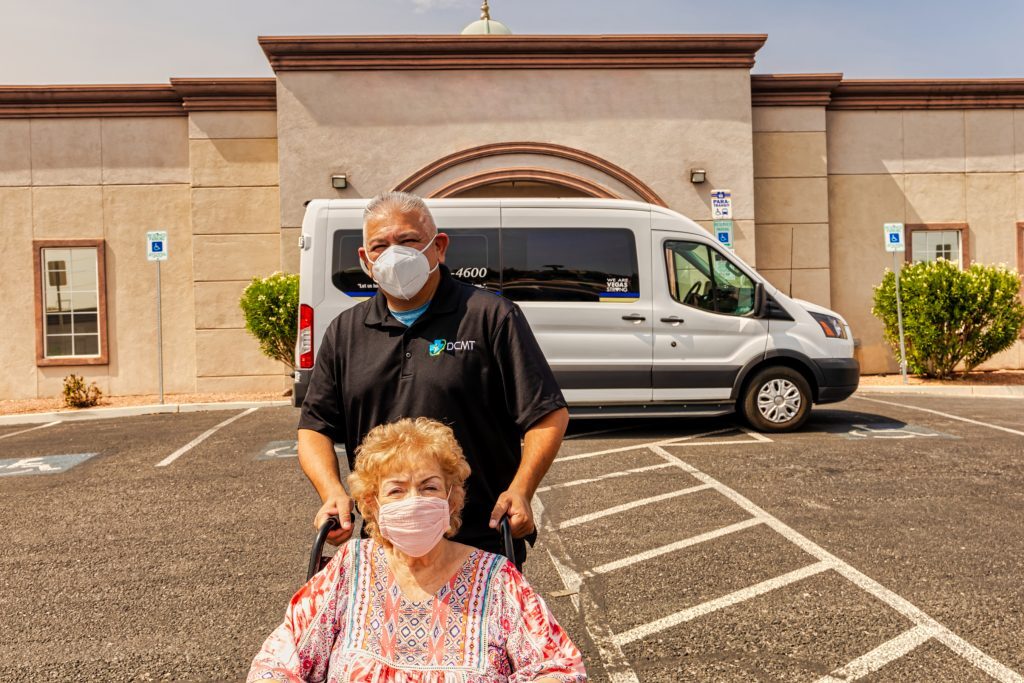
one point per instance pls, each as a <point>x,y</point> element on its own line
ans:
<point>698,175</point>
<point>340,181</point>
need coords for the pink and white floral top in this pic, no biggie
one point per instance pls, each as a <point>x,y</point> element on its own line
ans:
<point>351,623</point>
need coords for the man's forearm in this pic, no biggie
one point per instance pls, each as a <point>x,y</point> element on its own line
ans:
<point>540,446</point>
<point>319,462</point>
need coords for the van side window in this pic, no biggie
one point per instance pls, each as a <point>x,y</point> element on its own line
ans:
<point>472,257</point>
<point>570,264</point>
<point>701,277</point>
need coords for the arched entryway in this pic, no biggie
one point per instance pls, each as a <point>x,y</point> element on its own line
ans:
<point>526,169</point>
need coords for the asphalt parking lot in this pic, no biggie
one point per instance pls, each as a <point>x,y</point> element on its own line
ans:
<point>882,542</point>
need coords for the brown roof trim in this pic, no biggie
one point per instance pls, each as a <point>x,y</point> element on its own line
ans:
<point>793,90</point>
<point>583,185</point>
<point>227,94</point>
<point>1005,93</point>
<point>76,101</point>
<point>540,148</point>
<point>443,52</point>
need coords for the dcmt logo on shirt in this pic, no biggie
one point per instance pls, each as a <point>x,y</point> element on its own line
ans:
<point>439,346</point>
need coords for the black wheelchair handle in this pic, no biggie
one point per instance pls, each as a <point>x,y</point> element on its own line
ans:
<point>317,552</point>
<point>510,549</point>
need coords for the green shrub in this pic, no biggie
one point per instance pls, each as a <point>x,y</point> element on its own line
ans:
<point>78,395</point>
<point>951,316</point>
<point>271,309</point>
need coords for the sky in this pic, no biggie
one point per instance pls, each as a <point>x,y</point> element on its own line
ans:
<point>145,41</point>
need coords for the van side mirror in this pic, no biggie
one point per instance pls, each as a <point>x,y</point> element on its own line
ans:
<point>760,300</point>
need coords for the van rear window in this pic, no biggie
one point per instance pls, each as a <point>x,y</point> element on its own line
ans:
<point>346,275</point>
<point>570,264</point>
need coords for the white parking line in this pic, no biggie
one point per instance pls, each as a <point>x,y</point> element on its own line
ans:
<point>610,475</point>
<point>30,429</point>
<point>885,653</point>
<point>942,414</point>
<point>201,438</point>
<point>640,446</point>
<point>741,595</point>
<point>583,519</point>
<point>941,633</point>
<point>600,431</point>
<point>615,663</point>
<point>672,547</point>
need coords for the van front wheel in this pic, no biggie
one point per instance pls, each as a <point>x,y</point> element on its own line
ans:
<point>776,400</point>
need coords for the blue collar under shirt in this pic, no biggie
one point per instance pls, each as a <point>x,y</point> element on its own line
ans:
<point>407,318</point>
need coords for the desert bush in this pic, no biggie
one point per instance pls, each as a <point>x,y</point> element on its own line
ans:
<point>951,316</point>
<point>78,395</point>
<point>271,309</point>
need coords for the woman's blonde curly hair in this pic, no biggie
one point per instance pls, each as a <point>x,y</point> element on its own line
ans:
<point>397,447</point>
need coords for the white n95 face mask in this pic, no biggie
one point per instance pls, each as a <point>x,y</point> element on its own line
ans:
<point>402,271</point>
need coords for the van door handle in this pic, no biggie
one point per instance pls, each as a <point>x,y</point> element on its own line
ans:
<point>634,318</point>
<point>674,319</point>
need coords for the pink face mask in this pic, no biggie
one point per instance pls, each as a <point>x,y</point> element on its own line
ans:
<point>414,525</point>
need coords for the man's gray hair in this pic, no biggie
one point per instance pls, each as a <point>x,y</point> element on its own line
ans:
<point>404,203</point>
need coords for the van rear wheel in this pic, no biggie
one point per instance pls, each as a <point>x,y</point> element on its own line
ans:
<point>776,400</point>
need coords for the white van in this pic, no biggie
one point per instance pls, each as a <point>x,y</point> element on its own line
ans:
<point>638,310</point>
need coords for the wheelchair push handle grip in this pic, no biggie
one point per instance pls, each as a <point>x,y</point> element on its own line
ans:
<point>315,555</point>
<point>505,527</point>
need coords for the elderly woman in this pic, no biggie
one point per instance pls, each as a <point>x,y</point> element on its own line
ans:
<point>407,605</point>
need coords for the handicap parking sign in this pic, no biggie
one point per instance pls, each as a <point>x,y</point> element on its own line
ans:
<point>723,233</point>
<point>156,246</point>
<point>894,237</point>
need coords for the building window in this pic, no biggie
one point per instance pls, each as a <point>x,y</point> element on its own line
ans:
<point>1020,262</point>
<point>938,241</point>
<point>71,325</point>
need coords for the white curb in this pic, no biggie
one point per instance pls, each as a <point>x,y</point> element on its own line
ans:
<point>130,411</point>
<point>975,391</point>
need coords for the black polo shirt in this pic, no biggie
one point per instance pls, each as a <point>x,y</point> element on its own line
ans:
<point>470,361</point>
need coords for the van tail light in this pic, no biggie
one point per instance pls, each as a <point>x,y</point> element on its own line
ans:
<point>305,336</point>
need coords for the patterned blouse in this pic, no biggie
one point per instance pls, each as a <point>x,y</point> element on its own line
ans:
<point>351,623</point>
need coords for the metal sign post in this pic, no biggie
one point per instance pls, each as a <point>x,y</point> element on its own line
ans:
<point>894,243</point>
<point>156,250</point>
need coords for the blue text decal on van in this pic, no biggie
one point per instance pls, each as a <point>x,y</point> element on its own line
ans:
<point>362,294</point>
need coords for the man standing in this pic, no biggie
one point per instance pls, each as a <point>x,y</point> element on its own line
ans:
<point>431,346</point>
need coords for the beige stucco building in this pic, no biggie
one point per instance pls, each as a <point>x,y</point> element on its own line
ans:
<point>816,165</point>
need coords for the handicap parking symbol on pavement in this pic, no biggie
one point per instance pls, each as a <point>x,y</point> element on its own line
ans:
<point>287,449</point>
<point>891,430</point>
<point>45,464</point>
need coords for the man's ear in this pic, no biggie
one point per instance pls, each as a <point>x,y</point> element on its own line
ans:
<point>441,242</point>
<point>364,262</point>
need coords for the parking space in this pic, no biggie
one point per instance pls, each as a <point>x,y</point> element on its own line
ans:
<point>883,540</point>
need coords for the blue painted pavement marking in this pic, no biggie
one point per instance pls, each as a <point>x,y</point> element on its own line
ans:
<point>46,464</point>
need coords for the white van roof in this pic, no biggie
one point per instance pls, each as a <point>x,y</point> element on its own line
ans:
<point>542,203</point>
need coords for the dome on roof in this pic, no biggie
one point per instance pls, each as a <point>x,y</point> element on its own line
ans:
<point>485,25</point>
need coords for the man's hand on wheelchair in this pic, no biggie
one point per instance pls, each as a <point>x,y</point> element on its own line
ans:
<point>520,514</point>
<point>338,505</point>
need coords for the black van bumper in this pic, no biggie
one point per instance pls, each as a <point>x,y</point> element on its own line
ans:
<point>839,378</point>
<point>300,386</point>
